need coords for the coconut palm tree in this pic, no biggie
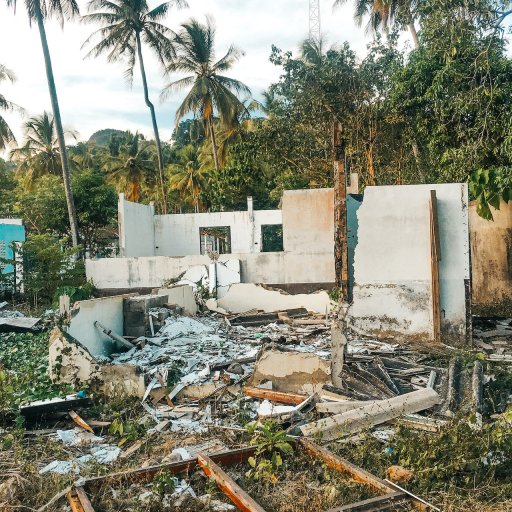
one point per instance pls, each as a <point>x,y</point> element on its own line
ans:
<point>133,170</point>
<point>211,94</point>
<point>382,14</point>
<point>125,25</point>
<point>6,134</point>
<point>39,11</point>
<point>40,155</point>
<point>187,177</point>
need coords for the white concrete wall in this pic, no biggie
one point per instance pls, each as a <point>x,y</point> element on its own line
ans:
<point>267,268</point>
<point>178,234</point>
<point>392,292</point>
<point>109,312</point>
<point>136,228</point>
<point>308,221</point>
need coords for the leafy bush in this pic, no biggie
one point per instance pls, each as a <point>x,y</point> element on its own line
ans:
<point>49,265</point>
<point>271,443</point>
<point>24,371</point>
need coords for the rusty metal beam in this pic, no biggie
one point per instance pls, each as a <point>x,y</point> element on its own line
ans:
<point>235,493</point>
<point>147,474</point>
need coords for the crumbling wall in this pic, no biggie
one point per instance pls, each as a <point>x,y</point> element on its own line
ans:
<point>393,275</point>
<point>273,268</point>
<point>178,234</point>
<point>491,261</point>
<point>106,310</point>
<point>136,229</point>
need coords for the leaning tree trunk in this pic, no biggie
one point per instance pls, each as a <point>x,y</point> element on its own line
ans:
<point>155,126</point>
<point>73,224</point>
<point>214,143</point>
<point>414,34</point>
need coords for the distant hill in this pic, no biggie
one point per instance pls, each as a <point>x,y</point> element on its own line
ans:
<point>102,137</point>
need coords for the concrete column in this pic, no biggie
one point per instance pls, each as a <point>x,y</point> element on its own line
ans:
<point>338,344</point>
<point>120,222</point>
<point>252,227</point>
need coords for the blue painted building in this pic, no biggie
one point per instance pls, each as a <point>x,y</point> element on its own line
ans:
<point>11,231</point>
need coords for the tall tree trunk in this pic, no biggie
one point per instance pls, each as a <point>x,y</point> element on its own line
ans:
<point>73,224</point>
<point>155,126</point>
<point>214,143</point>
<point>414,34</point>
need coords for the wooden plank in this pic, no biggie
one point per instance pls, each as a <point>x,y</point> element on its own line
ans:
<point>373,504</point>
<point>344,466</point>
<point>435,257</point>
<point>274,396</point>
<point>148,474</point>
<point>78,500</point>
<point>373,414</point>
<point>80,422</point>
<point>235,493</point>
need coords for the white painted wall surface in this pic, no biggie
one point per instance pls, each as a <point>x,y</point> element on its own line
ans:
<point>267,268</point>
<point>178,234</point>
<point>308,220</point>
<point>109,312</point>
<point>392,292</point>
<point>136,228</point>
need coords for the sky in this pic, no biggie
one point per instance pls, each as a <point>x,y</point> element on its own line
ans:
<point>93,93</point>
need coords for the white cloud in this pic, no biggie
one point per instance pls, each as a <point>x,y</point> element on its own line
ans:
<point>93,94</point>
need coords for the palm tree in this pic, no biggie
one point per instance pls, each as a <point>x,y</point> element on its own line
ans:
<point>39,11</point>
<point>383,12</point>
<point>40,155</point>
<point>211,94</point>
<point>187,177</point>
<point>6,134</point>
<point>126,23</point>
<point>133,169</point>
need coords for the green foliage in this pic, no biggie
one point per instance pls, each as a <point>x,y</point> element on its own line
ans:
<point>271,444</point>
<point>24,371</point>
<point>49,266</point>
<point>126,430</point>
<point>488,187</point>
<point>460,454</point>
<point>164,483</point>
<point>83,292</point>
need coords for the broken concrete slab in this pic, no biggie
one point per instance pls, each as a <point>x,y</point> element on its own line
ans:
<point>70,362</point>
<point>292,372</point>
<point>374,413</point>
<point>18,324</point>
<point>106,310</point>
<point>182,295</point>
<point>247,296</point>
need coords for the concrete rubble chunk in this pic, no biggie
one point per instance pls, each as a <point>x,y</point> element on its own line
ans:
<point>372,414</point>
<point>247,296</point>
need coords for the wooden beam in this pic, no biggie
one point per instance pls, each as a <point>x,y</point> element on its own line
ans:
<point>274,396</point>
<point>344,466</point>
<point>375,413</point>
<point>235,493</point>
<point>435,258</point>
<point>383,502</point>
<point>78,500</point>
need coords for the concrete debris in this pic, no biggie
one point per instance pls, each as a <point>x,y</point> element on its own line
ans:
<point>15,321</point>
<point>243,297</point>
<point>371,414</point>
